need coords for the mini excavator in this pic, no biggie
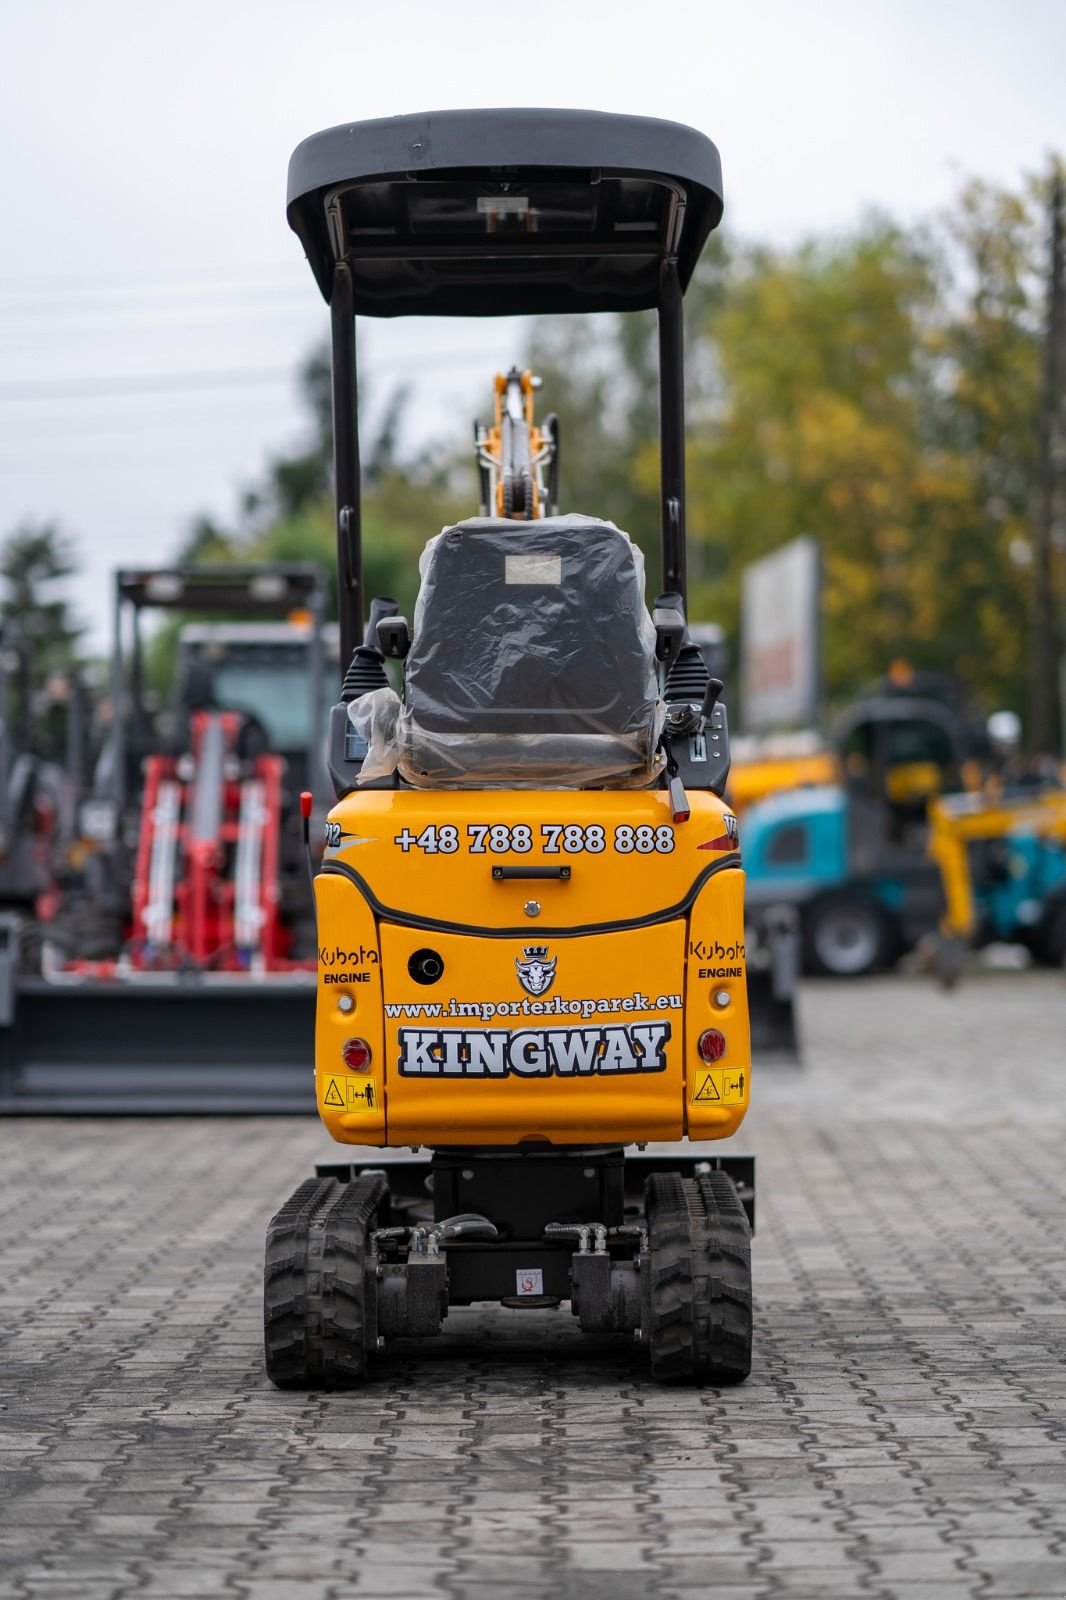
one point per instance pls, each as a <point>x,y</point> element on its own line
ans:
<point>530,905</point>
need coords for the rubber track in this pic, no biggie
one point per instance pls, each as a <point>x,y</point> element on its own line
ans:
<point>315,1321</point>
<point>727,1254</point>
<point>701,1279</point>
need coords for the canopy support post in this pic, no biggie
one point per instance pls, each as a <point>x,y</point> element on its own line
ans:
<point>118,708</point>
<point>346,466</point>
<point>672,429</point>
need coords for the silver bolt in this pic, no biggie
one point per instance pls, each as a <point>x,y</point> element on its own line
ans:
<point>345,1003</point>
<point>379,1343</point>
<point>638,1336</point>
<point>468,1173</point>
<point>721,998</point>
<point>589,1172</point>
<point>532,908</point>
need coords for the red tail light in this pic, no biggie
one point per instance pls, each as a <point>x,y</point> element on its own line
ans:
<point>711,1044</point>
<point>356,1053</point>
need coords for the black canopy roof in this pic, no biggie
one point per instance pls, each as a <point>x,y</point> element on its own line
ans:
<point>258,590</point>
<point>489,213</point>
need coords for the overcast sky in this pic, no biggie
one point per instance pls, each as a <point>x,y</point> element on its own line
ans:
<point>145,147</point>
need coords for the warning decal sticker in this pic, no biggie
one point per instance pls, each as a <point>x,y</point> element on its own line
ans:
<point>348,1094</point>
<point>724,1086</point>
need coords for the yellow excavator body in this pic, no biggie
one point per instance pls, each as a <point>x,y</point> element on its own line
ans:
<point>530,968</point>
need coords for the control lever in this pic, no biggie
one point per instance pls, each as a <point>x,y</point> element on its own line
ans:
<point>687,718</point>
<point>710,700</point>
<point>682,719</point>
<point>680,808</point>
<point>382,607</point>
<point>307,805</point>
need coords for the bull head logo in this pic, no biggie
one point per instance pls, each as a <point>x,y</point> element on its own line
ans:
<point>536,973</point>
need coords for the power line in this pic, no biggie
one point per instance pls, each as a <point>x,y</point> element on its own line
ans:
<point>159,383</point>
<point>77,283</point>
<point>110,306</point>
<point>112,387</point>
<point>188,423</point>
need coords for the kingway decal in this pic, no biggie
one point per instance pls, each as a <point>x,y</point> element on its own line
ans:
<point>532,1052</point>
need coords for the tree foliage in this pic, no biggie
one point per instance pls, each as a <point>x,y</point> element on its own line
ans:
<point>878,390</point>
<point>37,629</point>
<point>288,515</point>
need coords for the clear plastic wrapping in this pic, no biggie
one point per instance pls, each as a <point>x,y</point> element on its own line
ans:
<point>374,717</point>
<point>532,663</point>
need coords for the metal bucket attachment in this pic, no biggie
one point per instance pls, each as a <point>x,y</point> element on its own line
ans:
<point>181,1049</point>
<point>773,970</point>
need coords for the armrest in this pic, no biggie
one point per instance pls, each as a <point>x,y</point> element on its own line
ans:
<point>394,637</point>
<point>668,615</point>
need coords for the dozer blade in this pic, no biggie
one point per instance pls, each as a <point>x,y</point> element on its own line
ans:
<point>181,1049</point>
<point>773,968</point>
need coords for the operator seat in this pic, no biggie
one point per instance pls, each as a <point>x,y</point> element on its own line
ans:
<point>532,662</point>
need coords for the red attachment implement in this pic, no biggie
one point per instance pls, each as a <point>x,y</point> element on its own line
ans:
<point>206,890</point>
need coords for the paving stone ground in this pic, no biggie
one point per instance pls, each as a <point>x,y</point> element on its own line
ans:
<point>901,1435</point>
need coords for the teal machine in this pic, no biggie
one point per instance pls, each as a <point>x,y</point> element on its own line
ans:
<point>851,858</point>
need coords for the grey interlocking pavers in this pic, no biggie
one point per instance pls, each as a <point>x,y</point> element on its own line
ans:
<point>902,1435</point>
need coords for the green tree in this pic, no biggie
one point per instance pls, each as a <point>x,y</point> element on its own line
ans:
<point>288,514</point>
<point>823,374</point>
<point>600,374</point>
<point>991,345</point>
<point>37,628</point>
<point>878,390</point>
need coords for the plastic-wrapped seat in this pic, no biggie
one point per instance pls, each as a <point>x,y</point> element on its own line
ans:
<point>532,662</point>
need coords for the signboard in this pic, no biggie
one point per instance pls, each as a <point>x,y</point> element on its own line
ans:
<point>779,639</point>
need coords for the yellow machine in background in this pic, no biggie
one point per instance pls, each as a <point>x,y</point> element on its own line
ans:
<point>782,762</point>
<point>767,774</point>
<point>530,908</point>
<point>1025,892</point>
<point>848,856</point>
<point>517,459</point>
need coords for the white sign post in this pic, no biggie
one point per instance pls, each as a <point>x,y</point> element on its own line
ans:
<point>779,639</point>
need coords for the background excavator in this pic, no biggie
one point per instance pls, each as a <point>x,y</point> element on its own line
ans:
<point>173,969</point>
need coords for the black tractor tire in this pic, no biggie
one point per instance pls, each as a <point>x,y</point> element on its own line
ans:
<point>1048,943</point>
<point>846,935</point>
<point>319,1303</point>
<point>700,1310</point>
<point>949,959</point>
